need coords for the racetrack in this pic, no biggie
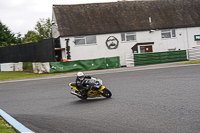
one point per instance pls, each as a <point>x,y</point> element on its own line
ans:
<point>164,100</point>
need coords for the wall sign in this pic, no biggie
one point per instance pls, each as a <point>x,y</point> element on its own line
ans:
<point>112,42</point>
<point>197,37</point>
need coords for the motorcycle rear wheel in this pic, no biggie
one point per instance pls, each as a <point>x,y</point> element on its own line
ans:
<point>106,93</point>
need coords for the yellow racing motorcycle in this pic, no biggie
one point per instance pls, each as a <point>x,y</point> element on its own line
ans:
<point>95,89</point>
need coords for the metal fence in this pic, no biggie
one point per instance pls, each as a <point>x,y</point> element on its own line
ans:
<point>42,51</point>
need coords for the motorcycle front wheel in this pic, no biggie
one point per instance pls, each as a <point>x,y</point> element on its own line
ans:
<point>106,93</point>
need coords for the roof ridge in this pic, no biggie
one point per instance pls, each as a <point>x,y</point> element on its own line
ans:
<point>116,17</point>
<point>107,2</point>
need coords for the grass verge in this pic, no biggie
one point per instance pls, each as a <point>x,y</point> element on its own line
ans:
<point>22,75</point>
<point>191,62</point>
<point>5,127</point>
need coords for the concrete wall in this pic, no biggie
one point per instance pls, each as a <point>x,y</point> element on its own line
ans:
<point>11,67</point>
<point>194,53</point>
<point>39,67</point>
<point>184,39</point>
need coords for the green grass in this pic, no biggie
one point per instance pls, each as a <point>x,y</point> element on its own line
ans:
<point>5,127</point>
<point>191,62</point>
<point>22,75</point>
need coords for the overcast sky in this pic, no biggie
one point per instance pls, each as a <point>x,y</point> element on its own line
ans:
<point>22,15</point>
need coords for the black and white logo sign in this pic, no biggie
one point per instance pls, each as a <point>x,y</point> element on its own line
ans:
<point>112,42</point>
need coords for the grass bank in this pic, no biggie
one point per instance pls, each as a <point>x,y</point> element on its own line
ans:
<point>191,62</point>
<point>22,75</point>
<point>5,127</point>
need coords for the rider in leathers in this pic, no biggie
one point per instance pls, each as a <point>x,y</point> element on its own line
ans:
<point>80,83</point>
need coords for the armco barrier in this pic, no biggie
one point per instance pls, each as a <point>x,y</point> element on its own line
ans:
<point>82,65</point>
<point>65,66</point>
<point>159,57</point>
<point>113,62</point>
<point>93,64</point>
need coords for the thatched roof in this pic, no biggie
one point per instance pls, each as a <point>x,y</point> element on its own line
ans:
<point>116,17</point>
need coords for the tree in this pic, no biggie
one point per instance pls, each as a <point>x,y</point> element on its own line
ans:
<point>7,37</point>
<point>43,31</point>
<point>31,36</point>
<point>18,38</point>
<point>43,27</point>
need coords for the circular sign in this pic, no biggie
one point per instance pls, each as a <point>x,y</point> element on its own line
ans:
<point>112,42</point>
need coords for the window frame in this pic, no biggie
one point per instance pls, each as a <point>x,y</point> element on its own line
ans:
<point>128,34</point>
<point>85,40</point>
<point>167,31</point>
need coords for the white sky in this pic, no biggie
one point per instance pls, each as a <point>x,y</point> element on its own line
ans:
<point>22,15</point>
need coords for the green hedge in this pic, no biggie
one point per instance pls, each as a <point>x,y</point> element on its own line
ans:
<point>28,66</point>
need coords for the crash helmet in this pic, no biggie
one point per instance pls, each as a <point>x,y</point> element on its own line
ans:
<point>80,76</point>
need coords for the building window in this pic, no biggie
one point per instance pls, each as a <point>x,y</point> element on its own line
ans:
<point>131,36</point>
<point>80,40</point>
<point>168,33</point>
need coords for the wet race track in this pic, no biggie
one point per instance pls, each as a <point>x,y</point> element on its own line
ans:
<point>165,100</point>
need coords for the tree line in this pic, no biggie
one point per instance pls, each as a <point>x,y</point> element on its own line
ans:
<point>42,31</point>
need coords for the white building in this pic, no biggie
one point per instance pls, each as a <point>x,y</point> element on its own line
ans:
<point>118,28</point>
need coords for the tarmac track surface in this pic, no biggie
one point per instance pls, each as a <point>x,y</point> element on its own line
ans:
<point>164,100</point>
